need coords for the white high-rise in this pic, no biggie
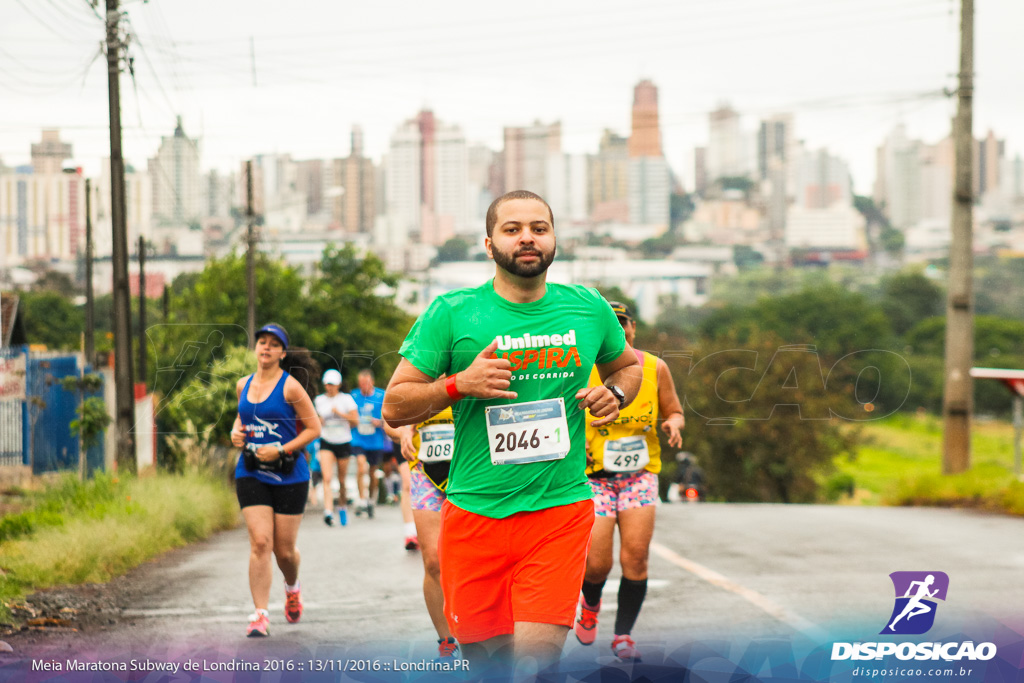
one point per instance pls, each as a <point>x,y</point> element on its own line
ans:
<point>727,149</point>
<point>451,180</point>
<point>402,172</point>
<point>177,184</point>
<point>427,172</point>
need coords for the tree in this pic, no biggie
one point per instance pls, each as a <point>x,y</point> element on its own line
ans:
<point>52,319</point>
<point>765,420</point>
<point>997,287</point>
<point>345,315</point>
<point>833,319</point>
<point>204,403</point>
<point>455,249</point>
<point>680,208</point>
<point>54,281</point>
<point>909,298</point>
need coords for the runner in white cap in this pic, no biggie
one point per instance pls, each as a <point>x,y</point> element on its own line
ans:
<point>339,414</point>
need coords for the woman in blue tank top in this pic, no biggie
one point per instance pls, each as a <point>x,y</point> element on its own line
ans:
<point>276,421</point>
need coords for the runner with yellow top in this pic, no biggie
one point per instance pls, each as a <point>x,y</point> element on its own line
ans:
<point>624,458</point>
<point>428,448</point>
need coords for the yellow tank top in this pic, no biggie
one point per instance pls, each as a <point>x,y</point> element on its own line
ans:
<point>633,437</point>
<point>437,472</point>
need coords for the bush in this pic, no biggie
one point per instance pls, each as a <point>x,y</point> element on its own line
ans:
<point>200,415</point>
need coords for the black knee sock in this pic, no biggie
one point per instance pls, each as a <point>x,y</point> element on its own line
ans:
<point>631,597</point>
<point>592,592</point>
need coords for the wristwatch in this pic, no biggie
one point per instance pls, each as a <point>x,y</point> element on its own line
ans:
<point>619,394</point>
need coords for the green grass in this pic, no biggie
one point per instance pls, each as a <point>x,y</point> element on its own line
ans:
<point>899,462</point>
<point>81,533</point>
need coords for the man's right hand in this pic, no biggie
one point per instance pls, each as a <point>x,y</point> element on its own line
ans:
<point>486,377</point>
<point>408,452</point>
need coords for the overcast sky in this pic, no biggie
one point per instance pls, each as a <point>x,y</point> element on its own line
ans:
<point>251,77</point>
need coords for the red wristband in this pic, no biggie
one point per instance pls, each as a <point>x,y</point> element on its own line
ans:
<point>449,386</point>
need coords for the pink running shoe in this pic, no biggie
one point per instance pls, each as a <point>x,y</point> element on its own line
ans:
<point>625,649</point>
<point>586,625</point>
<point>293,605</point>
<point>259,626</point>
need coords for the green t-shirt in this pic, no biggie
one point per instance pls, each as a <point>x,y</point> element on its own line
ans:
<point>552,344</point>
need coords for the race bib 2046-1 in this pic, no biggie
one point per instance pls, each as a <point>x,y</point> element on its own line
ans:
<point>534,431</point>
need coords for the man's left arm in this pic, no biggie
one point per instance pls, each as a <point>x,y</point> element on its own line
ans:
<point>625,373</point>
<point>669,406</point>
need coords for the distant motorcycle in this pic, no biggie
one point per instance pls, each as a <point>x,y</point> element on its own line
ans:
<point>690,479</point>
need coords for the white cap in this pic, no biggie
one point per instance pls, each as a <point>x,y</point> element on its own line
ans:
<point>332,377</point>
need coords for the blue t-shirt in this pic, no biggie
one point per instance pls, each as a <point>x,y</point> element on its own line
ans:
<point>365,435</point>
<point>272,421</point>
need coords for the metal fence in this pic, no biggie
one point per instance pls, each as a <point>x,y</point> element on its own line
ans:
<point>44,430</point>
<point>13,408</point>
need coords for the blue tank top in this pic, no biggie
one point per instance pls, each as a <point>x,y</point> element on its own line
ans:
<point>271,421</point>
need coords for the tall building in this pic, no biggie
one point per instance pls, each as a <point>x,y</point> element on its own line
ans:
<point>645,135</point>
<point>822,181</point>
<point>403,172</point>
<point>898,181</point>
<point>42,216</point>
<point>989,158</point>
<point>775,143</point>
<point>726,156</point>
<point>527,151</point>
<point>700,170</point>
<point>427,183</point>
<point>177,187</point>
<point>649,191</point>
<point>49,154</point>
<point>914,180</point>
<point>218,194</point>
<point>311,176</point>
<point>609,179</point>
<point>649,177</point>
<point>447,208</point>
<point>482,165</point>
<point>138,205</point>
<point>356,180</point>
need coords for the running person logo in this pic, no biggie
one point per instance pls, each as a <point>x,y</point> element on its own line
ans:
<point>256,431</point>
<point>916,595</point>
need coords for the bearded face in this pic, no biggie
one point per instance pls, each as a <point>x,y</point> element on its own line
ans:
<point>526,260</point>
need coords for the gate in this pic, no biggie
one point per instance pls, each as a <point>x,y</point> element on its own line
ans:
<point>13,410</point>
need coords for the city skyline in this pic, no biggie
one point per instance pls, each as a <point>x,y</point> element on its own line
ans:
<point>319,72</point>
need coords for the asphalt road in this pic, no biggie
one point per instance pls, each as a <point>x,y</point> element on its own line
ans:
<point>717,571</point>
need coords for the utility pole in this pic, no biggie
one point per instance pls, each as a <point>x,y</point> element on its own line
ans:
<point>142,310</point>
<point>250,256</point>
<point>958,398</point>
<point>123,380</point>
<point>90,325</point>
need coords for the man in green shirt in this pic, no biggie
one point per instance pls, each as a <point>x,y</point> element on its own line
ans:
<point>515,355</point>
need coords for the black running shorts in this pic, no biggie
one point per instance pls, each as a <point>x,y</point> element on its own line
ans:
<point>285,499</point>
<point>340,450</point>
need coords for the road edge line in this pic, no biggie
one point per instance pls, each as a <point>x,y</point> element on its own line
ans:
<point>773,609</point>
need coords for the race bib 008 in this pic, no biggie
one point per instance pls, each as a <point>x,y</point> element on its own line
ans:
<point>436,443</point>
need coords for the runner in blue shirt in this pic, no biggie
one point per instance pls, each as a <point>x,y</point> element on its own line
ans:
<point>275,422</point>
<point>368,439</point>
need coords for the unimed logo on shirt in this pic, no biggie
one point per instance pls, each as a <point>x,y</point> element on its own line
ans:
<point>543,350</point>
